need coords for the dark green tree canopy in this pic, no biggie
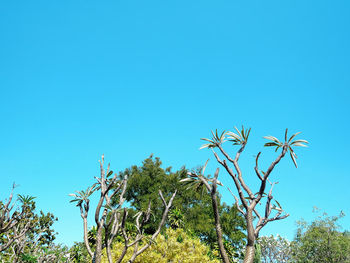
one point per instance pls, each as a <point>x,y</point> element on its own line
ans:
<point>194,207</point>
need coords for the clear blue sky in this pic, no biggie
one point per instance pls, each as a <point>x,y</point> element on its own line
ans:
<point>131,78</point>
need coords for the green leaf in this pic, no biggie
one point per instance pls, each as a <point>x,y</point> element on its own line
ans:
<point>239,133</point>
<point>302,141</point>
<point>248,133</point>
<point>285,135</point>
<point>208,140</point>
<point>293,159</point>
<point>299,144</point>
<point>269,144</point>
<point>213,134</point>
<point>272,139</point>
<point>292,137</point>
<point>233,135</point>
<point>206,146</point>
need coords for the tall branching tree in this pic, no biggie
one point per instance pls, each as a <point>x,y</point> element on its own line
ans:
<point>14,223</point>
<point>111,216</point>
<point>26,236</point>
<point>247,200</point>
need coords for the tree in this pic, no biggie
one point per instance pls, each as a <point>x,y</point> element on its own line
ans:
<point>37,243</point>
<point>27,236</point>
<point>110,216</point>
<point>321,241</point>
<point>248,200</point>
<point>14,224</point>
<point>275,249</point>
<point>193,208</point>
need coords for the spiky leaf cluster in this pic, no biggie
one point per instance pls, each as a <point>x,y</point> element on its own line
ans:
<point>83,196</point>
<point>197,184</point>
<point>239,138</point>
<point>26,199</point>
<point>215,141</point>
<point>288,142</point>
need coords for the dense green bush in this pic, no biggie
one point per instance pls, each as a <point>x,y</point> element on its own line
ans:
<point>172,246</point>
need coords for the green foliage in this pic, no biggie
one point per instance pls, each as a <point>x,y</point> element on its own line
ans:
<point>28,258</point>
<point>78,253</point>
<point>36,244</point>
<point>92,236</point>
<point>321,241</point>
<point>238,138</point>
<point>290,143</point>
<point>82,196</point>
<point>275,249</point>
<point>257,256</point>
<point>176,219</point>
<point>173,246</point>
<point>191,209</point>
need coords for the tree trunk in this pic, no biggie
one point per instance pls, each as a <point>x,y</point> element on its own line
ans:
<point>222,249</point>
<point>98,251</point>
<point>250,250</point>
<point>86,241</point>
<point>109,253</point>
<point>249,254</point>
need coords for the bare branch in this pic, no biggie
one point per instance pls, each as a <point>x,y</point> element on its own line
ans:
<point>237,202</point>
<point>162,222</point>
<point>257,167</point>
<point>234,177</point>
<point>268,172</point>
<point>238,169</point>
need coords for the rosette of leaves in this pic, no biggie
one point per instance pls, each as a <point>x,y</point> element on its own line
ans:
<point>83,196</point>
<point>290,143</point>
<point>216,140</point>
<point>238,138</point>
<point>197,184</point>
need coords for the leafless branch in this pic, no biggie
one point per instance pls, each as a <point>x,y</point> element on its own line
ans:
<point>257,167</point>
<point>237,202</point>
<point>234,177</point>
<point>167,206</point>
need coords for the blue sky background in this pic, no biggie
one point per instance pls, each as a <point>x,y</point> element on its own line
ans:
<point>131,78</point>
